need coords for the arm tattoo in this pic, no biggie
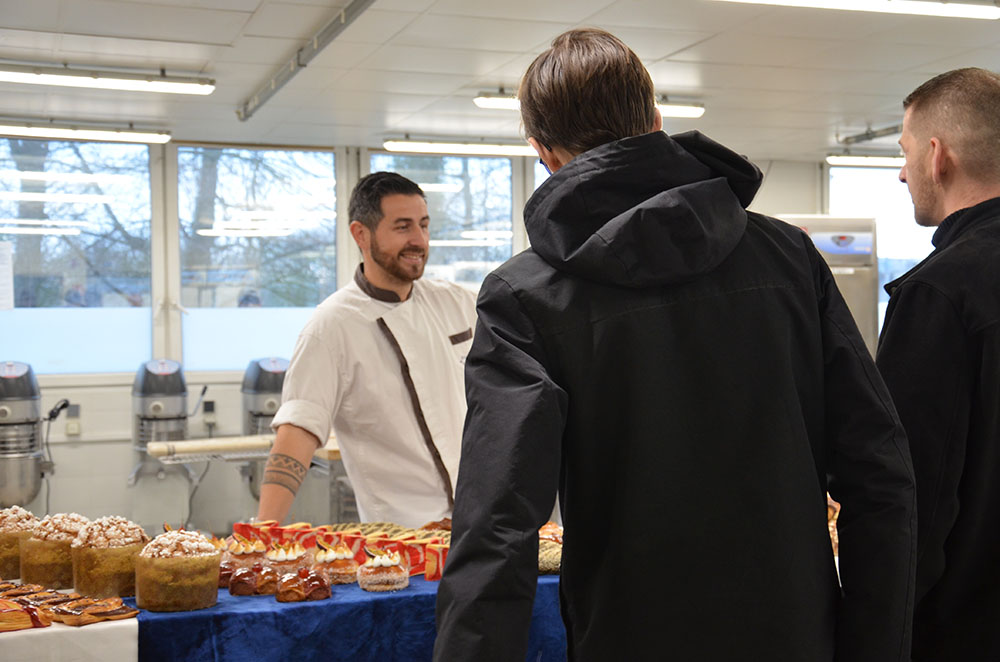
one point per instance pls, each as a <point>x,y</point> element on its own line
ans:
<point>284,470</point>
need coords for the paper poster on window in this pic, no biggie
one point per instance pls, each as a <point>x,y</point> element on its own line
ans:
<point>6,275</point>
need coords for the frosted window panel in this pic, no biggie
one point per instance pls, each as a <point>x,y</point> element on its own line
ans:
<point>877,193</point>
<point>78,217</point>
<point>240,334</point>
<point>258,250</point>
<point>469,200</point>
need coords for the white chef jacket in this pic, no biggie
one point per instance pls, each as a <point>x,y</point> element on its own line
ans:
<point>389,377</point>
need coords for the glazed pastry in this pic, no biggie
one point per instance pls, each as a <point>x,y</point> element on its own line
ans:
<point>440,525</point>
<point>46,556</point>
<point>291,588</point>
<point>177,571</point>
<point>551,531</point>
<point>316,586</point>
<point>21,590</point>
<point>91,610</point>
<point>267,580</point>
<point>14,616</point>
<point>383,571</point>
<point>243,582</point>
<point>104,554</point>
<point>226,569</point>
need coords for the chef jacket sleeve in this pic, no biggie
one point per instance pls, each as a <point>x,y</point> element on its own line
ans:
<point>507,481</point>
<point>924,360</point>
<point>870,474</point>
<point>313,386</point>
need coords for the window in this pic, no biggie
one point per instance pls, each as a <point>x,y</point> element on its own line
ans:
<point>469,200</point>
<point>541,174</point>
<point>258,250</point>
<point>77,217</point>
<point>878,193</point>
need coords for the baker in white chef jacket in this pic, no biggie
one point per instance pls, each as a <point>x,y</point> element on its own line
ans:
<point>382,362</point>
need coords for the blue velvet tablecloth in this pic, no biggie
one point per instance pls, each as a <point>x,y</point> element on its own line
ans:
<point>352,625</point>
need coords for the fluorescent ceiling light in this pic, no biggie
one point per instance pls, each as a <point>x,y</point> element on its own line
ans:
<point>477,149</point>
<point>104,80</point>
<point>82,133</point>
<point>918,7</point>
<point>43,221</point>
<point>497,101</point>
<point>21,196</point>
<point>73,177</point>
<point>441,187</point>
<point>685,110</point>
<point>861,161</point>
<point>667,109</point>
<point>7,229</point>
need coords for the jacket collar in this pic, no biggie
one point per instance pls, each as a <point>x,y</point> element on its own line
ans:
<point>960,222</point>
<point>377,293</point>
<point>952,228</point>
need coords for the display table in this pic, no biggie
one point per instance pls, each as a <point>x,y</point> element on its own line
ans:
<point>114,640</point>
<point>351,625</point>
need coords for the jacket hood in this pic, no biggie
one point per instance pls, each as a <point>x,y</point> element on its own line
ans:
<point>646,210</point>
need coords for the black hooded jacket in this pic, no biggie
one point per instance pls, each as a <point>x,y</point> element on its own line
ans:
<point>939,353</point>
<point>686,374</point>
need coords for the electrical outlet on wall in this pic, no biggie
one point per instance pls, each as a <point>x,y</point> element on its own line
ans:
<point>73,428</point>
<point>208,413</point>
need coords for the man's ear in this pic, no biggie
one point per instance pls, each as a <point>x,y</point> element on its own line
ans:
<point>657,122</point>
<point>549,156</point>
<point>941,160</point>
<point>360,233</point>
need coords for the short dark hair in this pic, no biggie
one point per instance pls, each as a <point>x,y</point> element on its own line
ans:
<point>366,198</point>
<point>962,106</point>
<point>588,89</point>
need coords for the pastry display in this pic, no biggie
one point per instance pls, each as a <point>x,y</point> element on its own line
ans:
<point>291,588</point>
<point>549,557</point>
<point>177,571</point>
<point>832,513</point>
<point>551,531</point>
<point>336,564</point>
<point>439,525</point>
<point>45,556</point>
<point>302,585</point>
<point>243,552</point>
<point>11,591</point>
<point>226,569</point>
<point>14,616</point>
<point>104,554</point>
<point>437,554</point>
<point>85,611</point>
<point>243,582</point>
<point>288,557</point>
<point>383,571</point>
<point>16,524</point>
<point>267,579</point>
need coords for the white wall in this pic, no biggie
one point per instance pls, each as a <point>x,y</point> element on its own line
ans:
<point>790,187</point>
<point>92,468</point>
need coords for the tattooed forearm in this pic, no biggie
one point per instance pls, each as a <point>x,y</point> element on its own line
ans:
<point>284,470</point>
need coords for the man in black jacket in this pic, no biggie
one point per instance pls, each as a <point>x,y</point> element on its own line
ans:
<point>939,353</point>
<point>686,375</point>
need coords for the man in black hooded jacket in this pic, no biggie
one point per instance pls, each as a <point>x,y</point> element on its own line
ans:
<point>940,355</point>
<point>686,375</point>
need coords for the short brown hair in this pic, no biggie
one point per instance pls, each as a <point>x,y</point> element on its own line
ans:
<point>365,205</point>
<point>588,89</point>
<point>962,106</point>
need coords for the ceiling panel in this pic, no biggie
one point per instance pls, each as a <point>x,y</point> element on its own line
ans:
<point>376,26</point>
<point>41,15</point>
<point>399,81</point>
<point>651,45</point>
<point>559,12</point>
<point>677,15</point>
<point>748,49</point>
<point>125,19</point>
<point>259,50</point>
<point>279,19</point>
<point>479,33</point>
<point>436,60</point>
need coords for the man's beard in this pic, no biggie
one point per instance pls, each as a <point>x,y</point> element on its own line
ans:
<point>392,265</point>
